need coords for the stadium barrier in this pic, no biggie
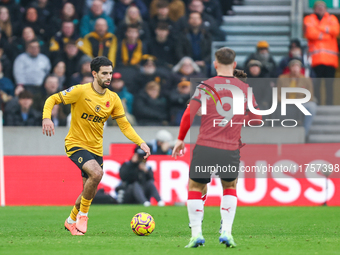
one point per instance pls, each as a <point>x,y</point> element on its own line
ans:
<point>55,180</point>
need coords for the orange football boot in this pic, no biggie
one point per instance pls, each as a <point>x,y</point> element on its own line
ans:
<point>72,228</point>
<point>81,224</point>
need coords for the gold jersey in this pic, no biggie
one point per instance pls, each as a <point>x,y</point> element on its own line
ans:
<point>89,111</point>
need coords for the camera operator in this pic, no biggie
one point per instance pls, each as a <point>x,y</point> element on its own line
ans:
<point>137,181</point>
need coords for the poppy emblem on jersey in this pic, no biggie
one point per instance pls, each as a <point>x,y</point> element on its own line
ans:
<point>107,104</point>
<point>98,108</point>
<point>80,159</point>
<point>212,89</point>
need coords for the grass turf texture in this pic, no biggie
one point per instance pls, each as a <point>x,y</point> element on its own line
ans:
<point>257,230</point>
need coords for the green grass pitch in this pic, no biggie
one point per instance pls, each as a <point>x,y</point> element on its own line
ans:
<point>257,230</point>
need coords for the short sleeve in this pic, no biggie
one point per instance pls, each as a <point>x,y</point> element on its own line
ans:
<point>70,95</point>
<point>118,109</point>
<point>197,95</point>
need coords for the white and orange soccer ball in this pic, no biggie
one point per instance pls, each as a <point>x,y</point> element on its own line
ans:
<point>142,224</point>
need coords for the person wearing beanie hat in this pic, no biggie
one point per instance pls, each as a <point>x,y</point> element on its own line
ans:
<point>178,99</point>
<point>258,80</point>
<point>263,55</point>
<point>321,29</point>
<point>162,143</point>
<point>295,79</point>
<point>149,72</point>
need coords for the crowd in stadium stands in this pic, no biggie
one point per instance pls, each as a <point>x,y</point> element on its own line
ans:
<point>156,47</point>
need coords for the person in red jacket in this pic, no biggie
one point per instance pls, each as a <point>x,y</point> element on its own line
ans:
<point>321,30</point>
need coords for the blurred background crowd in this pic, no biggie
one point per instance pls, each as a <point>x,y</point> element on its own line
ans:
<point>156,47</point>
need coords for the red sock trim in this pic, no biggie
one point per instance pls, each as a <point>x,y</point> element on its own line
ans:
<point>204,197</point>
<point>229,192</point>
<point>194,195</point>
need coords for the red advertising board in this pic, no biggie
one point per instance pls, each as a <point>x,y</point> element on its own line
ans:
<point>55,180</point>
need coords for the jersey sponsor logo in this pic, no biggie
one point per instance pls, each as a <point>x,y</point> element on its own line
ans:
<point>107,104</point>
<point>70,89</point>
<point>86,99</point>
<point>91,117</point>
<point>98,108</point>
<point>80,159</point>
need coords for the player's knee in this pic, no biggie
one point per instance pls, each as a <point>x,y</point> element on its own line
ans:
<point>97,175</point>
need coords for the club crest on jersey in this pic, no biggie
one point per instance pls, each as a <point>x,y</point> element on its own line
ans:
<point>98,108</point>
<point>107,104</point>
<point>80,159</point>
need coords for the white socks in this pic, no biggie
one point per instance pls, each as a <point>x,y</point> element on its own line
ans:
<point>83,214</point>
<point>70,221</point>
<point>228,209</point>
<point>195,211</point>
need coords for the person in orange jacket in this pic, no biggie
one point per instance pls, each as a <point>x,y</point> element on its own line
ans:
<point>321,30</point>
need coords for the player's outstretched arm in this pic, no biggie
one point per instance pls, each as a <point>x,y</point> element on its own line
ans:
<point>130,133</point>
<point>47,124</point>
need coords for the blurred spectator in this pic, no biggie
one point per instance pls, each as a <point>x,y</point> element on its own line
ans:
<point>5,23</point>
<point>87,24</point>
<point>49,88</point>
<point>108,6</point>
<point>6,85</point>
<point>71,56</point>
<point>263,55</point>
<point>31,19</point>
<point>209,23</point>
<point>31,67</point>
<point>132,16</point>
<point>118,86</point>
<point>46,16</point>
<point>321,30</point>
<point>185,70</point>
<point>148,72</point>
<point>84,68</point>
<point>68,13</point>
<point>162,144</point>
<point>176,9</point>
<point>178,100</point>
<point>295,52</point>
<point>87,78</point>
<point>100,42</point>
<point>131,48</point>
<point>14,10</point>
<point>294,79</point>
<point>137,181</point>
<point>22,112</point>
<point>226,7</point>
<point>18,45</point>
<point>150,109</point>
<point>122,5</point>
<point>6,61</point>
<point>162,16</point>
<point>59,70</point>
<point>195,42</point>
<point>163,47</point>
<point>66,33</point>
<point>260,83</point>
<point>214,9</point>
<point>78,7</point>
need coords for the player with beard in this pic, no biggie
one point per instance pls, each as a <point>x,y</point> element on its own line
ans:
<point>91,105</point>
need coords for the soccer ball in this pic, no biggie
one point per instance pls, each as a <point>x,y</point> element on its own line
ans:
<point>142,224</point>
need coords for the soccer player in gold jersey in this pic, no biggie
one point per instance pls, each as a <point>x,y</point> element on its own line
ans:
<point>91,105</point>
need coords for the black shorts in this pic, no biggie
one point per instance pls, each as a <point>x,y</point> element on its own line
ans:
<point>81,156</point>
<point>207,160</point>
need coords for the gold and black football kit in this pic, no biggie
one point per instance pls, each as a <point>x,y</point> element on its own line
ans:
<point>89,111</point>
